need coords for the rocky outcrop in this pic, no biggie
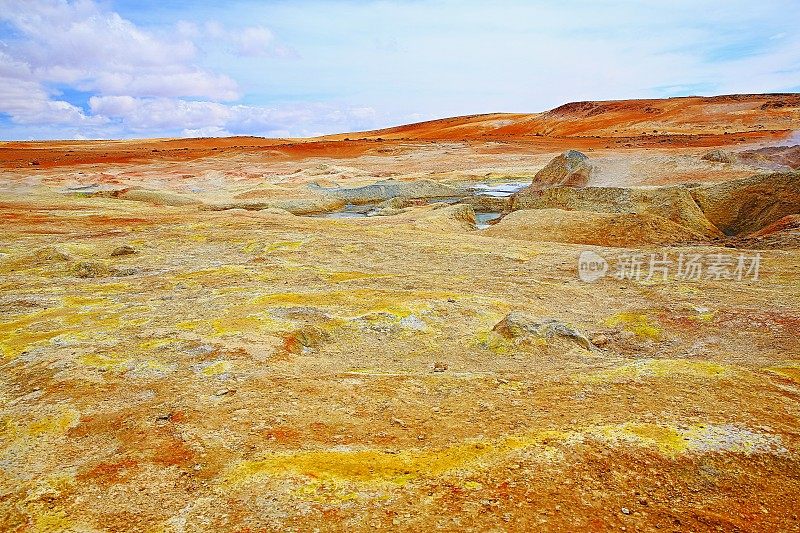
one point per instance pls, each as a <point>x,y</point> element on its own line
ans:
<point>773,157</point>
<point>295,206</point>
<point>156,197</point>
<point>743,206</point>
<point>719,156</point>
<point>458,217</point>
<point>592,228</point>
<point>125,249</point>
<point>521,327</point>
<point>570,169</point>
<point>675,204</point>
<point>387,189</point>
<point>276,211</point>
<point>489,203</point>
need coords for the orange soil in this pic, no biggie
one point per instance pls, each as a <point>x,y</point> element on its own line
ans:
<point>691,122</point>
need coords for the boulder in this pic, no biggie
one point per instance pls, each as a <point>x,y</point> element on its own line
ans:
<point>519,326</point>
<point>570,169</point>
<point>50,253</point>
<point>91,269</point>
<point>305,339</point>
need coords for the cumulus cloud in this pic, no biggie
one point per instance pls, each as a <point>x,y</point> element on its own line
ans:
<point>80,45</point>
<point>96,50</point>
<point>143,114</point>
<point>22,97</point>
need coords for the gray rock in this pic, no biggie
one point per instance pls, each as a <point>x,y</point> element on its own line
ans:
<point>518,325</point>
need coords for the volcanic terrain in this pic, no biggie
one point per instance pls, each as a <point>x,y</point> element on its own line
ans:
<point>411,328</point>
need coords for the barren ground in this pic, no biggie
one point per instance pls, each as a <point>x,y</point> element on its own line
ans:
<point>249,370</point>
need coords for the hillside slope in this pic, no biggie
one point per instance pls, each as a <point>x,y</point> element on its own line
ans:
<point>691,115</point>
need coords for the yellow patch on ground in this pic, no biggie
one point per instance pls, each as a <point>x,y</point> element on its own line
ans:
<point>57,424</point>
<point>153,344</point>
<point>106,288</point>
<point>325,493</point>
<point>370,465</point>
<point>105,362</point>
<point>232,324</point>
<point>14,345</point>
<point>217,368</point>
<point>656,368</point>
<point>84,300</point>
<point>789,370</point>
<point>636,323</point>
<point>251,247</point>
<point>667,439</point>
<point>283,245</point>
<point>707,316</point>
<point>686,289</point>
<point>672,440</point>
<point>338,277</point>
<point>24,332</point>
<point>493,341</point>
<point>209,274</point>
<point>51,521</point>
<point>358,301</point>
<point>362,465</point>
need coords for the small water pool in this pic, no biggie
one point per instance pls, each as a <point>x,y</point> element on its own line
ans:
<point>484,219</point>
<point>498,190</point>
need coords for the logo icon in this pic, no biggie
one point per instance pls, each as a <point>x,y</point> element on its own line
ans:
<point>591,266</point>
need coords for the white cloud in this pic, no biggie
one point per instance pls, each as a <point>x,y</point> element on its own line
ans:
<point>78,44</point>
<point>254,41</point>
<point>28,103</point>
<point>160,113</point>
<point>250,41</point>
<point>198,118</point>
<point>208,131</point>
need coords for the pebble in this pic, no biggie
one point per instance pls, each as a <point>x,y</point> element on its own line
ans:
<point>625,510</point>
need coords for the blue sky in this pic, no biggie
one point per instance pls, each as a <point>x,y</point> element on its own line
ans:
<point>119,69</point>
